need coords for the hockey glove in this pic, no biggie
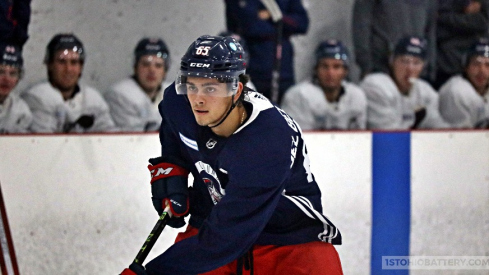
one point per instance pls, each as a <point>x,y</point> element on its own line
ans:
<point>85,121</point>
<point>419,115</point>
<point>169,187</point>
<point>134,269</point>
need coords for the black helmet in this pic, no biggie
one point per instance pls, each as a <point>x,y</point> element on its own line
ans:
<point>332,48</point>
<point>11,55</point>
<point>480,47</point>
<point>152,46</point>
<point>212,57</point>
<point>64,41</point>
<point>412,45</point>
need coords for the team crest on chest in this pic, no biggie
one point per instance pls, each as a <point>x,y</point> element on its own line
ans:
<point>211,181</point>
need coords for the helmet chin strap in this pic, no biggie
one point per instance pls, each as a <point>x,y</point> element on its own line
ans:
<point>233,105</point>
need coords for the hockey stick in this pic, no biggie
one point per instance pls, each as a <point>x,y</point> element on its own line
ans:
<point>8,259</point>
<point>153,236</point>
<point>277,17</point>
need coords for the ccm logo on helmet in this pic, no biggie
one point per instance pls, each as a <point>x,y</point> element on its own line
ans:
<point>200,65</point>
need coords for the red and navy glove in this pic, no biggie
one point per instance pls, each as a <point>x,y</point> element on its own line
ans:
<point>169,186</point>
<point>135,269</point>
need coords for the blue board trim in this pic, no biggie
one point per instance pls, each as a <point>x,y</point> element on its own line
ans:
<point>391,198</point>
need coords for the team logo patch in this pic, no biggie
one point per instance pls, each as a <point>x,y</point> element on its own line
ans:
<point>211,143</point>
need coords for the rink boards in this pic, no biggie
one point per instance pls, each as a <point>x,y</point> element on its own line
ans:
<point>80,204</point>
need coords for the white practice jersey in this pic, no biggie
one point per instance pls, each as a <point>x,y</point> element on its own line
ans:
<point>387,108</point>
<point>131,108</point>
<point>54,115</point>
<point>461,106</point>
<point>307,104</point>
<point>15,115</point>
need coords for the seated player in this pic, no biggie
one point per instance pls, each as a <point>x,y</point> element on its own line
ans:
<point>15,115</point>
<point>62,104</point>
<point>464,99</point>
<point>134,100</point>
<point>328,101</point>
<point>400,99</point>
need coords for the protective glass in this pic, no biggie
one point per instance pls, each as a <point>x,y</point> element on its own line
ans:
<point>225,86</point>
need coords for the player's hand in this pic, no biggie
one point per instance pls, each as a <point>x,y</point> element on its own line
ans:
<point>473,7</point>
<point>135,269</point>
<point>264,15</point>
<point>169,187</point>
<point>85,121</point>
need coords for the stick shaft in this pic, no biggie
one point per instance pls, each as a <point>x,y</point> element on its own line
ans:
<point>277,16</point>
<point>153,236</point>
<point>277,63</point>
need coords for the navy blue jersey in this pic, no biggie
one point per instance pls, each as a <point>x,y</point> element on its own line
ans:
<point>254,187</point>
<point>242,18</point>
<point>14,21</point>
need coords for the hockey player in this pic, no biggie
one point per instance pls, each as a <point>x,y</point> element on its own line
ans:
<point>63,104</point>
<point>328,101</point>
<point>464,99</point>
<point>134,100</point>
<point>254,23</point>
<point>255,205</point>
<point>400,99</point>
<point>15,115</point>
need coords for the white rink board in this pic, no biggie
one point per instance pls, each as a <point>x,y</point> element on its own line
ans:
<point>450,196</point>
<point>81,204</point>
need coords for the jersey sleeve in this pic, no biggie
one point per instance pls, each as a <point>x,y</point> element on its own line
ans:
<point>125,116</point>
<point>297,107</point>
<point>433,119</point>
<point>381,107</point>
<point>169,137</point>
<point>103,120</point>
<point>48,111</point>
<point>24,115</point>
<point>359,106</point>
<point>361,116</point>
<point>457,22</point>
<point>244,19</point>
<point>22,15</point>
<point>295,18</point>
<point>456,108</point>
